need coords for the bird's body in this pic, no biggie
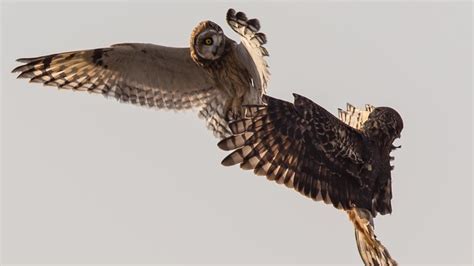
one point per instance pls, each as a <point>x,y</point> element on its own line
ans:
<point>214,75</point>
<point>305,147</point>
<point>371,250</point>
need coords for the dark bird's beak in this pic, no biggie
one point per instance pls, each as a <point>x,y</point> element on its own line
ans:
<point>396,147</point>
<point>214,51</point>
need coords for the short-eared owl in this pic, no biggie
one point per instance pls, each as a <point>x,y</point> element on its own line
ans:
<point>343,163</point>
<point>371,250</point>
<point>215,74</point>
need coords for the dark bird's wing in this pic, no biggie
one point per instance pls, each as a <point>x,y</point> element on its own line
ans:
<point>305,147</point>
<point>251,48</point>
<point>143,74</point>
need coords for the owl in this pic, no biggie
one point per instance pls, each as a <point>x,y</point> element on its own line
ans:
<point>342,163</point>
<point>215,75</point>
<point>371,250</point>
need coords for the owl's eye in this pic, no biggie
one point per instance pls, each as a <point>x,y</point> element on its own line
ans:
<point>208,41</point>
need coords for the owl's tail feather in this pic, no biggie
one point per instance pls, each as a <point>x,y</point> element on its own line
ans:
<point>371,251</point>
<point>216,117</point>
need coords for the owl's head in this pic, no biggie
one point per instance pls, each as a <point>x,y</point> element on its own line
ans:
<point>207,42</point>
<point>384,124</point>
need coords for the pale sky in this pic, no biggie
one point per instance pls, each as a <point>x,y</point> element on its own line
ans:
<point>90,180</point>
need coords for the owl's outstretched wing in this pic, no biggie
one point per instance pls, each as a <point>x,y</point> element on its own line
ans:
<point>251,48</point>
<point>305,147</point>
<point>143,74</point>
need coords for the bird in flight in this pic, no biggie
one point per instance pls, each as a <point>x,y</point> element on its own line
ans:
<point>371,250</point>
<point>215,74</point>
<point>343,163</point>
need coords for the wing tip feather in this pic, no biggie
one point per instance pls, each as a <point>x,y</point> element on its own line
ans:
<point>229,160</point>
<point>224,144</point>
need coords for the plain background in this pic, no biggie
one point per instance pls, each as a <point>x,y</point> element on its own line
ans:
<point>89,180</point>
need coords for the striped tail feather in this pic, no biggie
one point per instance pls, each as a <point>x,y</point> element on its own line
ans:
<point>371,250</point>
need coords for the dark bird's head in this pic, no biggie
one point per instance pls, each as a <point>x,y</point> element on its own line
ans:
<point>207,43</point>
<point>384,124</point>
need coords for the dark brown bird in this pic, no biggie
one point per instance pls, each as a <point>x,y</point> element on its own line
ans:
<point>306,148</point>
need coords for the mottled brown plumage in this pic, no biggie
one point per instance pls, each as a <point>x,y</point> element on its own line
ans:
<point>215,74</point>
<point>303,146</point>
<point>306,148</point>
<point>371,250</point>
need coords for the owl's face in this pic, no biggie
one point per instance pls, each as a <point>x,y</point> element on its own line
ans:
<point>384,122</point>
<point>207,41</point>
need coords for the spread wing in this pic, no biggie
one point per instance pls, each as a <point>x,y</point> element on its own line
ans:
<point>143,74</point>
<point>251,48</point>
<point>305,147</point>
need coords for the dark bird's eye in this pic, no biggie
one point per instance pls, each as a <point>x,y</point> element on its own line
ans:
<point>208,41</point>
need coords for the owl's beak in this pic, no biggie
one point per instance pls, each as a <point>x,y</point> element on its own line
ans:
<point>395,147</point>
<point>214,51</point>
